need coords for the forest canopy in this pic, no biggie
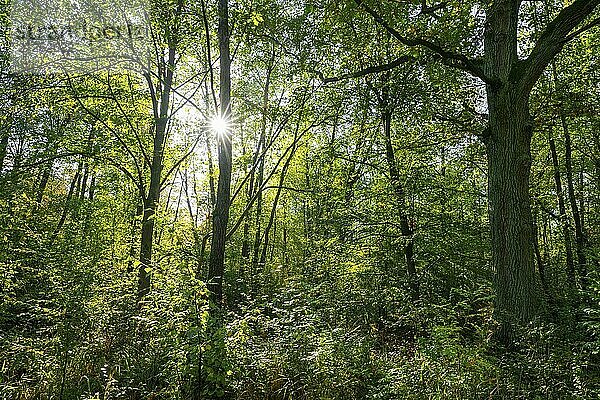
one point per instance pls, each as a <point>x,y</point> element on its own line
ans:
<point>251,199</point>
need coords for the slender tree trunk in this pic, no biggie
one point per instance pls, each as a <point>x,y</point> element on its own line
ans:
<point>580,240</point>
<point>258,217</point>
<point>258,156</point>
<point>273,215</point>
<point>195,230</point>
<point>249,196</point>
<point>146,249</point>
<point>3,148</point>
<point>564,219</point>
<point>65,211</point>
<point>151,200</point>
<point>211,173</point>
<point>43,183</point>
<point>220,217</point>
<point>246,237</point>
<point>221,213</point>
<point>92,189</point>
<point>150,207</point>
<point>133,250</point>
<point>542,270</point>
<point>406,229</point>
<point>84,182</point>
<point>285,257</point>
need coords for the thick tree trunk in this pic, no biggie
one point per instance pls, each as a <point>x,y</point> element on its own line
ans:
<point>508,143</point>
<point>221,213</point>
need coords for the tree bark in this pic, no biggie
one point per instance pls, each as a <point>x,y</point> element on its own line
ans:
<point>509,165</point>
<point>133,240</point>
<point>508,143</point>
<point>221,213</point>
<point>153,196</point>
<point>258,217</point>
<point>92,189</point>
<point>151,199</point>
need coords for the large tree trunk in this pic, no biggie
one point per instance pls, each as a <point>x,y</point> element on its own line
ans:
<point>508,143</point>
<point>221,213</point>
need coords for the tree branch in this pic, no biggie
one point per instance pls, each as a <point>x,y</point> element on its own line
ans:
<point>456,60</point>
<point>584,28</point>
<point>554,37</point>
<point>366,71</point>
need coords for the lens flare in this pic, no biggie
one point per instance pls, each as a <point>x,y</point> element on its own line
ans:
<point>219,125</point>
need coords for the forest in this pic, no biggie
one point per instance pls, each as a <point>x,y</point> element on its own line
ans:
<point>286,199</point>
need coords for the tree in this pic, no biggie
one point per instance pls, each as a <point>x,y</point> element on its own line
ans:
<point>509,81</point>
<point>225,156</point>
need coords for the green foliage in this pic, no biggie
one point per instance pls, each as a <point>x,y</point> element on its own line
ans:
<point>318,299</point>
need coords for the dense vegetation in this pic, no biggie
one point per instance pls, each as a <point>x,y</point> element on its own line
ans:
<point>309,200</point>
